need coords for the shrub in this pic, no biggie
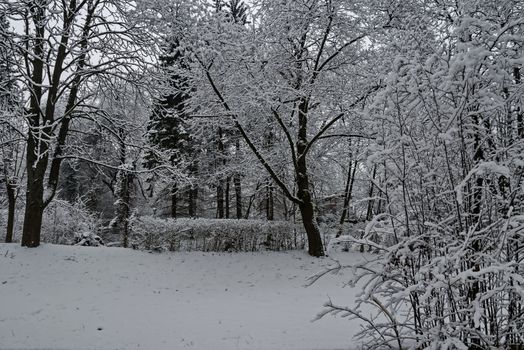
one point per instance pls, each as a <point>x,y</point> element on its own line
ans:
<point>152,233</point>
<point>88,239</point>
<point>64,222</point>
<point>434,290</point>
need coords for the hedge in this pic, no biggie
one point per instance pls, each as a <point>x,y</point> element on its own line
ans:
<point>151,233</point>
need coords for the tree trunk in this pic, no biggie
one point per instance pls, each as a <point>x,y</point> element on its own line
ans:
<point>34,207</point>
<point>123,205</point>
<point>228,182</point>
<point>190,203</point>
<point>37,151</point>
<point>307,211</point>
<point>347,194</point>
<point>309,220</point>
<point>251,200</point>
<point>303,194</point>
<point>127,212</point>
<point>220,200</point>
<point>238,195</point>
<point>270,210</point>
<point>123,192</point>
<point>192,198</point>
<point>285,209</point>
<point>220,180</point>
<point>371,202</point>
<point>11,197</point>
<point>174,200</point>
<point>32,221</point>
<point>237,183</point>
<point>35,167</point>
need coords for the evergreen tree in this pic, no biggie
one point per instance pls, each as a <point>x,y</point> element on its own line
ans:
<point>234,10</point>
<point>167,128</point>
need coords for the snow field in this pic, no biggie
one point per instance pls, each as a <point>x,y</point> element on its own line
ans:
<point>65,297</point>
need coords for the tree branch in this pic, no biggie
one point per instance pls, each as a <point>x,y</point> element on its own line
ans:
<point>251,145</point>
<point>369,137</point>
<point>288,136</point>
<point>338,117</point>
<point>336,53</point>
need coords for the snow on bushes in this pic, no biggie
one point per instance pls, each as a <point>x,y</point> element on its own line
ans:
<point>152,233</point>
<point>434,291</point>
<point>63,222</point>
<point>67,223</point>
<point>88,239</point>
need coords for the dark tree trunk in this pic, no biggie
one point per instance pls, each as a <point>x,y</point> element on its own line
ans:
<point>251,200</point>
<point>124,208</point>
<point>248,210</point>
<point>192,199</point>
<point>347,194</point>
<point>307,209</point>
<point>220,181</point>
<point>32,222</point>
<point>238,195</point>
<point>127,212</point>
<point>123,193</point>
<point>237,183</point>
<point>270,208</point>
<point>11,198</point>
<point>174,200</point>
<point>37,152</point>
<point>190,203</point>
<point>285,209</point>
<point>371,202</point>
<point>303,198</point>
<point>309,220</point>
<point>220,200</point>
<point>34,207</point>
<point>228,185</point>
<point>192,192</point>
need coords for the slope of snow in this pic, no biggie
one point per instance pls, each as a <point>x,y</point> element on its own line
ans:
<point>111,298</point>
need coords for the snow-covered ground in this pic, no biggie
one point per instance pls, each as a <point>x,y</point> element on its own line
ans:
<point>62,297</point>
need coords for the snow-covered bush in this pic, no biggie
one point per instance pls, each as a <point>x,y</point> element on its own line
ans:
<point>435,290</point>
<point>152,233</point>
<point>88,239</point>
<point>64,222</point>
<point>449,235</point>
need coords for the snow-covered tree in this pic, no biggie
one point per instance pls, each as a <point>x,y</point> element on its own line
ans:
<point>297,67</point>
<point>12,134</point>
<point>449,150</point>
<point>62,47</point>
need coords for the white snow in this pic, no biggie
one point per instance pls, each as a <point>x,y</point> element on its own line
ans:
<point>113,298</point>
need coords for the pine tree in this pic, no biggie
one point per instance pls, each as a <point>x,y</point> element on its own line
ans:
<point>167,126</point>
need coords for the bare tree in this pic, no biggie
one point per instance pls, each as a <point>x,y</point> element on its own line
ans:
<point>62,47</point>
<point>313,46</point>
<point>12,136</point>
